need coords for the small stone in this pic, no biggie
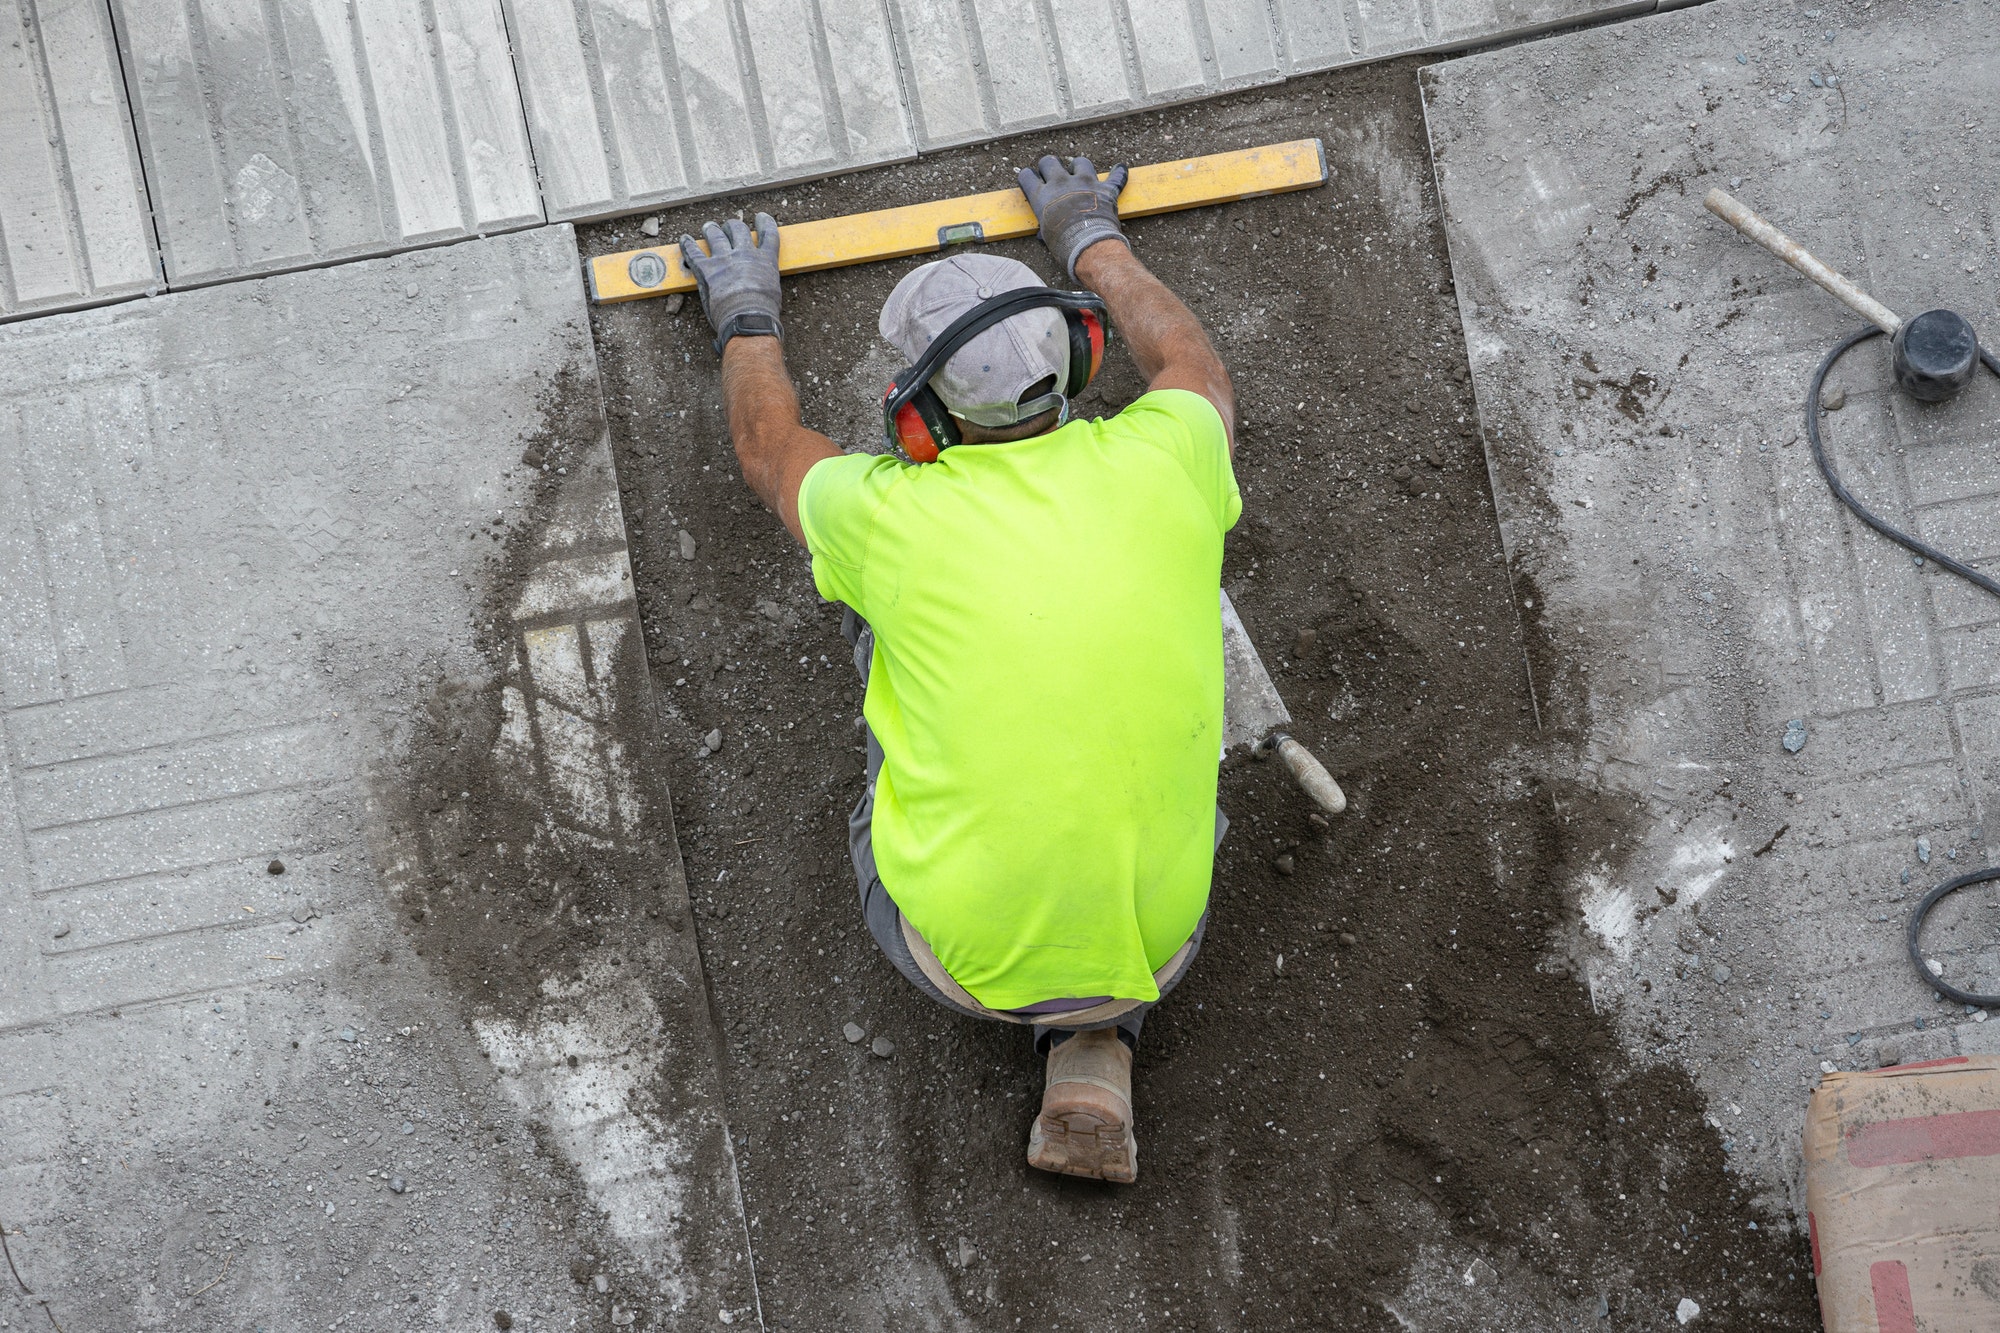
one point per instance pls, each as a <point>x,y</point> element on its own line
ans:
<point>651,226</point>
<point>407,1128</point>
<point>397,1185</point>
<point>966,1253</point>
<point>530,457</point>
<point>501,1319</point>
<point>1887,1054</point>
<point>410,290</point>
<point>1603,1305</point>
<point>1833,399</point>
<point>1304,643</point>
<point>275,868</point>
<point>1795,736</point>
<point>1686,1310</point>
<point>675,302</point>
<point>600,1283</point>
<point>1924,850</point>
<point>1721,973</point>
<point>726,1316</point>
<point>1347,941</point>
<point>853,1032</point>
<point>346,1035</point>
<point>62,929</point>
<point>1937,968</point>
<point>713,740</point>
<point>1284,865</point>
<point>687,544</point>
<point>882,1047</point>
<point>1318,820</point>
<point>622,1317</point>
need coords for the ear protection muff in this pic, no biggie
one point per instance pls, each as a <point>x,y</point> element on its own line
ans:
<point>916,424</point>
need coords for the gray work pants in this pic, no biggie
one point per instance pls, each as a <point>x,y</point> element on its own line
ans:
<point>885,921</point>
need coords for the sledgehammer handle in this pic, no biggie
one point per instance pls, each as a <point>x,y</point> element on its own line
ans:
<point>1737,215</point>
<point>1311,775</point>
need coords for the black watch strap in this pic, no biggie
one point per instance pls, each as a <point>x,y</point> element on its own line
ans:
<point>754,322</point>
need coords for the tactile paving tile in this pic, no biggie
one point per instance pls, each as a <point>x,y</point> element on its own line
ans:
<point>288,134</point>
<point>73,224</point>
<point>1689,585</point>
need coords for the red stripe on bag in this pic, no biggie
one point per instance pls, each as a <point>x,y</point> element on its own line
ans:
<point>1925,1138</point>
<point>1895,1312</point>
<point>1932,1064</point>
<point>1812,1231</point>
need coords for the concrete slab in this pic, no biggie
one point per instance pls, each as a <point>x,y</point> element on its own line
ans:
<point>291,133</point>
<point>1689,585</point>
<point>286,135</point>
<point>73,224</point>
<point>320,655</point>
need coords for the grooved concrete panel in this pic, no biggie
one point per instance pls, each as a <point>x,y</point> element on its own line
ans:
<point>73,225</point>
<point>306,671</point>
<point>1690,586</point>
<point>632,102</point>
<point>287,134</point>
<point>281,134</point>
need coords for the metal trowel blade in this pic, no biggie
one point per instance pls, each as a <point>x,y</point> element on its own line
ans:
<point>1251,708</point>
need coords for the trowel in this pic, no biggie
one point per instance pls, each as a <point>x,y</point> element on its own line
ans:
<point>1253,714</point>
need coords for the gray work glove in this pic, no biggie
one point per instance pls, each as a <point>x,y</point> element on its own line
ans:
<point>1074,207</point>
<point>738,280</point>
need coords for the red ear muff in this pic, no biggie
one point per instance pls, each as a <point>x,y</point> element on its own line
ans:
<point>914,436</point>
<point>1086,349</point>
<point>921,427</point>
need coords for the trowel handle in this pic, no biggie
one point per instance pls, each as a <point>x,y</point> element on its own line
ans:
<point>1310,774</point>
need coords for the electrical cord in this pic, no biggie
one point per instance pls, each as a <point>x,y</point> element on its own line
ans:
<point>1842,494</point>
<point>1923,909</point>
<point>1943,561</point>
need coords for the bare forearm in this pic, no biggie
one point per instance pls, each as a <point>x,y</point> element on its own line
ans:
<point>1166,341</point>
<point>773,446</point>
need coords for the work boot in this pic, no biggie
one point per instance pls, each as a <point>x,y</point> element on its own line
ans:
<point>1085,1128</point>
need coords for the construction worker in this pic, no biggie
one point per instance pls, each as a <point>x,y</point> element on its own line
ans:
<point>1032,601</point>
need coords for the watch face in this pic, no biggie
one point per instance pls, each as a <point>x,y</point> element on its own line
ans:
<point>647,269</point>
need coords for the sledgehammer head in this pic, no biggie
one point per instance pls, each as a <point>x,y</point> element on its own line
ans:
<point>1934,355</point>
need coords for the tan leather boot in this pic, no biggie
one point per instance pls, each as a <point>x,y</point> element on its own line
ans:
<point>1085,1127</point>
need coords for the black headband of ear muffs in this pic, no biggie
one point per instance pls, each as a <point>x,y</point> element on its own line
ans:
<point>912,380</point>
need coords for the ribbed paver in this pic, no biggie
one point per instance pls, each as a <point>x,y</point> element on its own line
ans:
<point>1691,587</point>
<point>280,134</point>
<point>318,650</point>
<point>73,223</point>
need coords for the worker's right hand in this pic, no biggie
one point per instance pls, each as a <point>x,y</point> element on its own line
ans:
<point>1075,208</point>
<point>737,277</point>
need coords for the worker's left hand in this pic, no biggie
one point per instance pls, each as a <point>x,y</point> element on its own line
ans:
<point>738,277</point>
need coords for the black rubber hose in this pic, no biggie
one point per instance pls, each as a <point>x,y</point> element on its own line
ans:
<point>1943,561</point>
<point>1840,491</point>
<point>1923,909</point>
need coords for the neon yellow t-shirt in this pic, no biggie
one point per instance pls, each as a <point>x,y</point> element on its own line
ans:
<point>1046,688</point>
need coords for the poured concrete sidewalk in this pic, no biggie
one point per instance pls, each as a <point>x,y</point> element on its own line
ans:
<point>305,584</point>
<point>1690,586</point>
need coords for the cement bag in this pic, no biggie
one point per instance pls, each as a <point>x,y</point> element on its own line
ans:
<point>1903,1197</point>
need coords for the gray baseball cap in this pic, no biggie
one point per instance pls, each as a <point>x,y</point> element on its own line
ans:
<point>984,380</point>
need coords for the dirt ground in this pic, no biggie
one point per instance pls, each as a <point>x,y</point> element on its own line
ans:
<point>1381,1098</point>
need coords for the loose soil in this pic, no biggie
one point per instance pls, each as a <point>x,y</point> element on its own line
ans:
<point>1382,1063</point>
